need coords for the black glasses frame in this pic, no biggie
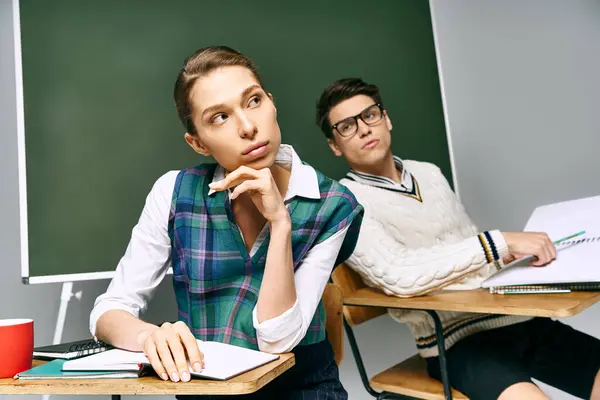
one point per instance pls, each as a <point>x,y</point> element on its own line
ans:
<point>356,117</point>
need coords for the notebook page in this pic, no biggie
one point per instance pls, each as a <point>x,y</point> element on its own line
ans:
<point>565,218</point>
<point>222,361</point>
<point>111,360</point>
<point>577,260</point>
<point>573,264</point>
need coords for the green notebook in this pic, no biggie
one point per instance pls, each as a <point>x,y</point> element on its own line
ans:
<point>53,370</point>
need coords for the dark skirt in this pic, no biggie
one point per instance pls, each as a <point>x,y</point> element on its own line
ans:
<point>314,376</point>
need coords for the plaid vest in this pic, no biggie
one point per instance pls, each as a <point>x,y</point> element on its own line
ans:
<point>216,281</point>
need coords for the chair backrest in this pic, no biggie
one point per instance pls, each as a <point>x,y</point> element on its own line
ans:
<point>333,302</point>
<point>349,281</point>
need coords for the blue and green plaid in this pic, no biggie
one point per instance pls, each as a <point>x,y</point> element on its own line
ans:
<point>216,280</point>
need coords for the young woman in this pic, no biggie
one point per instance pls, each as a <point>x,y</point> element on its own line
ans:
<point>252,239</point>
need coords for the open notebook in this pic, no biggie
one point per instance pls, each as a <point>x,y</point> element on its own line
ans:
<point>577,264</point>
<point>222,361</point>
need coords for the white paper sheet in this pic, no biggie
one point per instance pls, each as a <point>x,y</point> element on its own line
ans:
<point>577,260</point>
<point>222,361</point>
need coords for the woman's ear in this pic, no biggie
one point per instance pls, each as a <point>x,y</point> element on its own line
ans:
<point>334,147</point>
<point>196,144</point>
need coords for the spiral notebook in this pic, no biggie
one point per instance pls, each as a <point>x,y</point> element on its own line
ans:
<point>70,350</point>
<point>556,288</point>
<point>577,263</point>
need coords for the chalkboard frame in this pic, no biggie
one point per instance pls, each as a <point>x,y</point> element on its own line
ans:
<point>29,278</point>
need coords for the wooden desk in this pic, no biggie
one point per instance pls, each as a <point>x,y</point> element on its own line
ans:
<point>151,385</point>
<point>557,305</point>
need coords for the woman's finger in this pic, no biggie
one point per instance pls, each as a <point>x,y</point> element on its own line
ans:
<point>166,358</point>
<point>152,355</point>
<point>190,344</point>
<point>254,185</point>
<point>236,177</point>
<point>179,356</point>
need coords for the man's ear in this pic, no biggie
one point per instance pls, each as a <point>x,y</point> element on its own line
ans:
<point>196,144</point>
<point>273,101</point>
<point>334,147</point>
<point>388,121</point>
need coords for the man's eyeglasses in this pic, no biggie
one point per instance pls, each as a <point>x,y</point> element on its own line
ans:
<point>370,116</point>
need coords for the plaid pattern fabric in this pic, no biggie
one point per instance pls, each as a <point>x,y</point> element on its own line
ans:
<point>215,279</point>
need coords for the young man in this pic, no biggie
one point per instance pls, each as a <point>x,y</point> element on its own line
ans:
<point>417,238</point>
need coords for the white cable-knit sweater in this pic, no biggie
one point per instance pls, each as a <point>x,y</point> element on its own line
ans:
<point>410,245</point>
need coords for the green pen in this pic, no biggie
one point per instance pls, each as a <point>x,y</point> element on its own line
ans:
<point>568,237</point>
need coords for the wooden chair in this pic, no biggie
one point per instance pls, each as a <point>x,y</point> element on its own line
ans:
<point>333,302</point>
<point>408,379</point>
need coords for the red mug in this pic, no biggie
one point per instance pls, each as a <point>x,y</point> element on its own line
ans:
<point>16,346</point>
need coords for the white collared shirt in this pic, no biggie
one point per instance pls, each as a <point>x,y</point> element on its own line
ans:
<point>148,258</point>
<point>406,185</point>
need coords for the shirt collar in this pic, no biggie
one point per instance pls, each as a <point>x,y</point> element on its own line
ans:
<point>406,183</point>
<point>303,178</point>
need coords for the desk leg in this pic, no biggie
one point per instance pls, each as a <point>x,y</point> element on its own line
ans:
<point>359,362</point>
<point>363,372</point>
<point>439,335</point>
<point>115,397</point>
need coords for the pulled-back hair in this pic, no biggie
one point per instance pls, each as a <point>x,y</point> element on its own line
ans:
<point>201,63</point>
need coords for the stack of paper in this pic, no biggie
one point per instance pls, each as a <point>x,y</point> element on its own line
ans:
<point>53,370</point>
<point>222,362</point>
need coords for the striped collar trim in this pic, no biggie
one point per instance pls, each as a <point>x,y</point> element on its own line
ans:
<point>382,179</point>
<point>408,187</point>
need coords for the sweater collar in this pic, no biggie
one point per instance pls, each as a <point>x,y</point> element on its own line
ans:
<point>408,186</point>
<point>382,181</point>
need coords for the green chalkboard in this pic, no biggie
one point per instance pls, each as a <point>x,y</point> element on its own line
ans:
<point>100,122</point>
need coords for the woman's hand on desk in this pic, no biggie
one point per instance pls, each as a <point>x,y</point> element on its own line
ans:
<point>169,348</point>
<point>522,244</point>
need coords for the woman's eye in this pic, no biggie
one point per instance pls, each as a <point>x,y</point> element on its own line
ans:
<point>254,101</point>
<point>219,118</point>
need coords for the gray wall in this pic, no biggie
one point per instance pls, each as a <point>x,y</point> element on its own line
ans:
<point>522,91</point>
<point>520,88</point>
